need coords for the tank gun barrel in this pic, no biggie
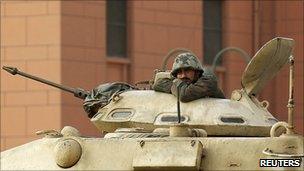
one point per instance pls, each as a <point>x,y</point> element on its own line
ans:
<point>78,92</point>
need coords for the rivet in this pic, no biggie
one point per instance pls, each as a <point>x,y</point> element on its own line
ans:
<point>142,143</point>
<point>193,143</point>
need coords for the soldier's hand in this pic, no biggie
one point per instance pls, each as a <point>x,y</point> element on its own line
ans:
<point>178,82</point>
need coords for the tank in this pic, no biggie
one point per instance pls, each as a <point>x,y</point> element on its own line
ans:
<point>145,131</point>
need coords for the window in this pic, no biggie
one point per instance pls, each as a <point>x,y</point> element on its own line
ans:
<point>232,120</point>
<point>212,11</point>
<point>116,34</point>
<point>172,119</point>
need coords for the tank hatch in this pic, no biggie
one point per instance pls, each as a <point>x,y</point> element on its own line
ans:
<point>266,63</point>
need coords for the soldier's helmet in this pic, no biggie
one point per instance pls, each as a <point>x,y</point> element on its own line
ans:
<point>186,60</point>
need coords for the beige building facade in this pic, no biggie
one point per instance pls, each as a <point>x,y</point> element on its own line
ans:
<point>66,42</point>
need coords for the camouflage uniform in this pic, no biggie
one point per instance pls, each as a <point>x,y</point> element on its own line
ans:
<point>204,86</point>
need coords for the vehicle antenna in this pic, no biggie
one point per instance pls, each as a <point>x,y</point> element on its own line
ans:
<point>178,104</point>
<point>291,103</point>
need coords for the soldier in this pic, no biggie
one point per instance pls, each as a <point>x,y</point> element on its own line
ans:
<point>187,74</point>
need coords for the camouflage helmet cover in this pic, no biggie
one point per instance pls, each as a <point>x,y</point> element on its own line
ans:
<point>186,60</point>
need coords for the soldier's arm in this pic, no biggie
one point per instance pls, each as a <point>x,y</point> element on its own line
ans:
<point>204,87</point>
<point>163,85</point>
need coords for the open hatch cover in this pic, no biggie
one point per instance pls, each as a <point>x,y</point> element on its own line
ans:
<point>266,63</point>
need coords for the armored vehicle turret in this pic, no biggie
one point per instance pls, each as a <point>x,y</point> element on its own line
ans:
<point>145,130</point>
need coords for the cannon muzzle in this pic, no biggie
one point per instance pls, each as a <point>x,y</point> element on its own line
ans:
<point>11,70</point>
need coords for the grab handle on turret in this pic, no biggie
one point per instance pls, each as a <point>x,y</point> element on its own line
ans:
<point>269,152</point>
<point>78,92</point>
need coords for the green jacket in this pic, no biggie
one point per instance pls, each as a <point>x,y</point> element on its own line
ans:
<point>204,87</point>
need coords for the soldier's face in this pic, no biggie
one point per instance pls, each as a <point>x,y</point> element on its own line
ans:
<point>187,75</point>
